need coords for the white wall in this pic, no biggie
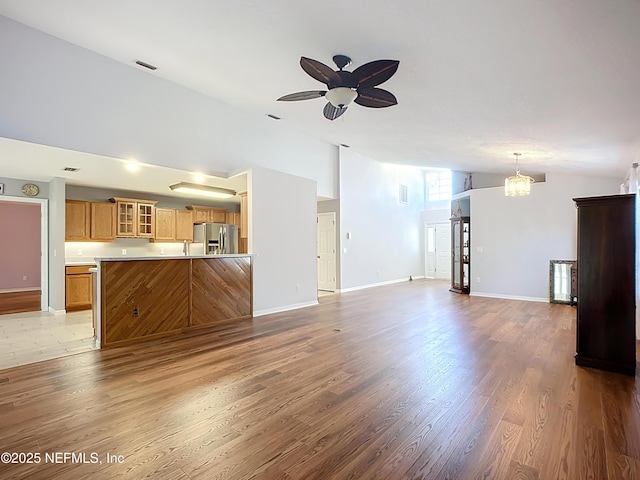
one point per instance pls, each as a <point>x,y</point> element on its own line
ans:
<point>282,217</point>
<point>519,235</point>
<point>386,236</point>
<point>70,97</point>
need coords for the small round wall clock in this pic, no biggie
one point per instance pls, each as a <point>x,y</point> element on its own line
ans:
<point>30,190</point>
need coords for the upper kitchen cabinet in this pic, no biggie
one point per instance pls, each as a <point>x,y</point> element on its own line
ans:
<point>165,225</point>
<point>103,225</point>
<point>173,225</point>
<point>203,214</point>
<point>87,221</point>
<point>244,217</point>
<point>77,220</point>
<point>184,225</point>
<point>134,218</point>
<point>233,218</point>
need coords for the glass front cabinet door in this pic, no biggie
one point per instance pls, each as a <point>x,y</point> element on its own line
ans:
<point>460,254</point>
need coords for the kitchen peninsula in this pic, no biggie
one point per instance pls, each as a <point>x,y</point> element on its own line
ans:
<point>139,298</point>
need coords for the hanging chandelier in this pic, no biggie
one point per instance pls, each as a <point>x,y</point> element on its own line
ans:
<point>518,184</point>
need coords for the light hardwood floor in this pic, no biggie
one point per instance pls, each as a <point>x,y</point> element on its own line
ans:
<point>36,336</point>
<point>404,381</point>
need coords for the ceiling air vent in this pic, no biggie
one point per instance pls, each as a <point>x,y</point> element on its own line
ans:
<point>146,65</point>
<point>70,169</point>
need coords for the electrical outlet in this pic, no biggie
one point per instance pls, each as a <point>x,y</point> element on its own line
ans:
<point>477,279</point>
<point>124,251</point>
<point>162,251</point>
<point>24,277</point>
<point>297,288</point>
<point>135,312</point>
<point>79,252</point>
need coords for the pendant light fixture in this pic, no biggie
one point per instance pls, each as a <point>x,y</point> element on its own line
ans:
<point>518,184</point>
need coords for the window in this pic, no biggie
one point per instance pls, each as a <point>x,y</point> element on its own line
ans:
<point>404,194</point>
<point>438,185</point>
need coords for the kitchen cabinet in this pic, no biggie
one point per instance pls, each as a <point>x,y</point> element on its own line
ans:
<point>233,218</point>
<point>184,225</point>
<point>165,225</point>
<point>134,218</point>
<point>103,225</point>
<point>78,287</point>
<point>460,254</point>
<point>77,220</point>
<point>87,221</point>
<point>204,214</point>
<point>606,310</point>
<point>243,230</point>
<point>173,225</point>
<point>244,217</point>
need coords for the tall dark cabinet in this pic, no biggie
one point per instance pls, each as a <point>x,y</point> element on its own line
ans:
<point>606,337</point>
<point>460,254</point>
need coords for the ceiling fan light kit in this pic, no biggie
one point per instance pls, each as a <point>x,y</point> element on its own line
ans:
<point>341,96</point>
<point>344,87</point>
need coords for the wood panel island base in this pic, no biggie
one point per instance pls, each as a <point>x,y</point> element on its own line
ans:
<point>152,297</point>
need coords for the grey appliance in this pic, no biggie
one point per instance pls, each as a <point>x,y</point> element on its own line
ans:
<point>214,239</point>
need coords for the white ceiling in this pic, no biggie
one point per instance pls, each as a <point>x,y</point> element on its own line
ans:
<point>477,81</point>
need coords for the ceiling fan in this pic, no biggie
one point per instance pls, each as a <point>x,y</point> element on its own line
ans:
<point>345,87</point>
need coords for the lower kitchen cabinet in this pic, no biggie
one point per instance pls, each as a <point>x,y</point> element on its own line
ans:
<point>78,287</point>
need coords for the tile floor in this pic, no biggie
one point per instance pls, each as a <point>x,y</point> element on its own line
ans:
<point>35,336</point>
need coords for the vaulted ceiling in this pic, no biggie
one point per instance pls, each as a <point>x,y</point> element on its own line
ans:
<point>477,81</point>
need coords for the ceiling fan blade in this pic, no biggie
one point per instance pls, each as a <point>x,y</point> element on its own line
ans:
<point>375,98</point>
<point>309,95</point>
<point>319,71</point>
<point>374,73</point>
<point>330,112</point>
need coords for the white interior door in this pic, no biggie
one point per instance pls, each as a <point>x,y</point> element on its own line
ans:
<point>326,246</point>
<point>430,251</point>
<point>443,250</point>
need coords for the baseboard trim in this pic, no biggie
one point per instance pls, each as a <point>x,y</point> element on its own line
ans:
<point>378,284</point>
<point>268,311</point>
<point>509,297</point>
<point>56,312</point>
<point>19,290</point>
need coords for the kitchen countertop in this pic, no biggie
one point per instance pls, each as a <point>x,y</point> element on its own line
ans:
<point>171,257</point>
<point>73,263</point>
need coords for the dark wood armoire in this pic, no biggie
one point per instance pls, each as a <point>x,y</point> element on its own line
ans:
<point>606,337</point>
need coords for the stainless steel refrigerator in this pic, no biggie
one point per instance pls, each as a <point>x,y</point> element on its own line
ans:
<point>214,239</point>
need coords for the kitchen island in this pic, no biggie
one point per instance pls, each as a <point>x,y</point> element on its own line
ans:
<point>139,298</point>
